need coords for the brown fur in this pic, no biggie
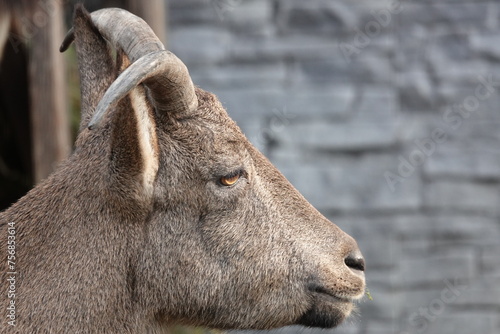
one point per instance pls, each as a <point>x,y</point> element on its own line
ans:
<point>97,253</point>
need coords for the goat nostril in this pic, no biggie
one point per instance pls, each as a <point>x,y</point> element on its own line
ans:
<point>355,262</point>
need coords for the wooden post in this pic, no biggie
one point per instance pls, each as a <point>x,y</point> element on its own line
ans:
<point>49,118</point>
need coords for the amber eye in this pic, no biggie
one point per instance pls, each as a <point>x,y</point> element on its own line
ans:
<point>230,180</point>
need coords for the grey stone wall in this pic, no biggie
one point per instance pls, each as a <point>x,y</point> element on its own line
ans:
<point>384,114</point>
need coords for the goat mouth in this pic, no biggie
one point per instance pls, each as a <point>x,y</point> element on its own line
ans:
<point>327,310</point>
<point>328,295</point>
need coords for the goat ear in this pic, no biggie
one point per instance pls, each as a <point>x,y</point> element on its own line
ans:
<point>134,155</point>
<point>133,147</point>
<point>95,63</point>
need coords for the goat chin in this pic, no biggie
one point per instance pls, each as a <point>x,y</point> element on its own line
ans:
<point>326,312</point>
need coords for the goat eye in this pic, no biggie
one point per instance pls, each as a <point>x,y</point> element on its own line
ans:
<point>230,180</point>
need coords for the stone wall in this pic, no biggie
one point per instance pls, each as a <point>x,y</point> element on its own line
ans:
<point>384,114</point>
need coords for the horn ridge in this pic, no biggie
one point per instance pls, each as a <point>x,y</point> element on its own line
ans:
<point>126,31</point>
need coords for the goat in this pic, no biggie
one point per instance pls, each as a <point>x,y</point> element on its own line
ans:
<point>165,213</point>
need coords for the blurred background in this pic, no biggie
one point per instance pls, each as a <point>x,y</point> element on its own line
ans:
<point>384,114</point>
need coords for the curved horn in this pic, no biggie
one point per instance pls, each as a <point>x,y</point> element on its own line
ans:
<point>161,71</point>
